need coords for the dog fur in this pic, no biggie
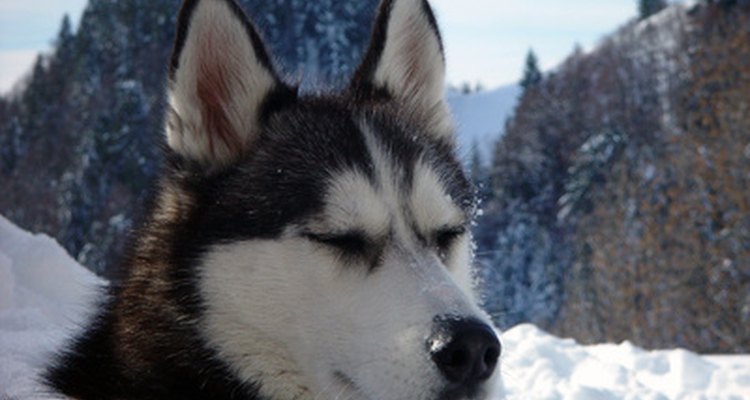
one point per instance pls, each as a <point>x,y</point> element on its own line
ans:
<point>299,246</point>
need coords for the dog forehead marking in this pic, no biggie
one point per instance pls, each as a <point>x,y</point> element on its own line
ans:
<point>352,203</point>
<point>431,206</point>
<point>373,205</point>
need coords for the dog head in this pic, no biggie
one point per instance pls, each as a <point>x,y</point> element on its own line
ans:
<point>329,233</point>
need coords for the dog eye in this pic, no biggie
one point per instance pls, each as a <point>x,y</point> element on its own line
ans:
<point>444,238</point>
<point>349,242</point>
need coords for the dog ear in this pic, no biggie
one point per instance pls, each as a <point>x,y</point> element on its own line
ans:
<point>219,77</point>
<point>405,62</point>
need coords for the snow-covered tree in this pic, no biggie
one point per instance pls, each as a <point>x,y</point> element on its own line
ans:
<point>82,139</point>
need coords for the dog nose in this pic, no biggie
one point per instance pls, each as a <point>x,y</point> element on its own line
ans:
<point>464,350</point>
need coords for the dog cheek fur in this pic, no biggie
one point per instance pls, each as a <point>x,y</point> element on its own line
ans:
<point>288,314</point>
<point>283,327</point>
<point>253,312</point>
<point>291,330</point>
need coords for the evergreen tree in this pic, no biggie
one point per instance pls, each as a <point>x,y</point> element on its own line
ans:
<point>65,35</point>
<point>647,8</point>
<point>479,173</point>
<point>81,137</point>
<point>532,76</point>
<point>64,57</point>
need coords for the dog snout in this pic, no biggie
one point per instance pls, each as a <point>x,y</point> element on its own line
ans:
<point>465,351</point>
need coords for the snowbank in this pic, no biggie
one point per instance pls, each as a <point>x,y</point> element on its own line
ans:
<point>540,366</point>
<point>44,295</point>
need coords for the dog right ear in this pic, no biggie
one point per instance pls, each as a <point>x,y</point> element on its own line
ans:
<point>404,62</point>
<point>220,75</point>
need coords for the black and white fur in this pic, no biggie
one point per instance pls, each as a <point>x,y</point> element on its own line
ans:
<point>299,247</point>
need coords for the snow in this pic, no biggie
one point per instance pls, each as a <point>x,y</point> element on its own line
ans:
<point>662,39</point>
<point>480,118</point>
<point>45,295</point>
<point>540,366</point>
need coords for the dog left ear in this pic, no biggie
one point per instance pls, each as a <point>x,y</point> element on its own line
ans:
<point>405,62</point>
<point>220,78</point>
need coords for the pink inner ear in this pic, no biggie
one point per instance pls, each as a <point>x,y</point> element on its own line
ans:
<point>214,95</point>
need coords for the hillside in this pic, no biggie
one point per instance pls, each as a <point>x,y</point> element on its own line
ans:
<point>619,196</point>
<point>480,118</point>
<point>79,143</point>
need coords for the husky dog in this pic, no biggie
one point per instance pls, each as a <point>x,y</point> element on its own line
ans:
<point>299,246</point>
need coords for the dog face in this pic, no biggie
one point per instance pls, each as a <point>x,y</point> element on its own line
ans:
<point>330,233</point>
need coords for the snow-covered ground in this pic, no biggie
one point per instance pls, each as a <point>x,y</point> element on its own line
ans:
<point>44,295</point>
<point>540,366</point>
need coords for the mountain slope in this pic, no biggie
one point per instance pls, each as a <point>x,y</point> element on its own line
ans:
<point>619,192</point>
<point>79,146</point>
<point>480,118</point>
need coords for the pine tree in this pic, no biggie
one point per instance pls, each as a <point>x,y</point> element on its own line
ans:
<point>65,35</point>
<point>62,64</point>
<point>532,76</point>
<point>81,136</point>
<point>647,8</point>
<point>479,173</point>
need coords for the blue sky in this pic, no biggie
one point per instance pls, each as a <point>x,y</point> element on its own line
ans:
<point>486,40</point>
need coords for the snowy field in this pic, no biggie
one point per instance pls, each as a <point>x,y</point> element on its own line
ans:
<point>44,295</point>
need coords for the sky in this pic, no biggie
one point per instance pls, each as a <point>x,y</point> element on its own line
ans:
<point>486,40</point>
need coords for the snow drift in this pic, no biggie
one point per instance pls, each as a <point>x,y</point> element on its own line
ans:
<point>45,296</point>
<point>540,366</point>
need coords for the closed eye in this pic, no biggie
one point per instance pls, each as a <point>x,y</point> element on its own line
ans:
<point>445,237</point>
<point>349,243</point>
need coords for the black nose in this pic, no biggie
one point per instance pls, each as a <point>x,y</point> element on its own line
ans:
<point>465,351</point>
